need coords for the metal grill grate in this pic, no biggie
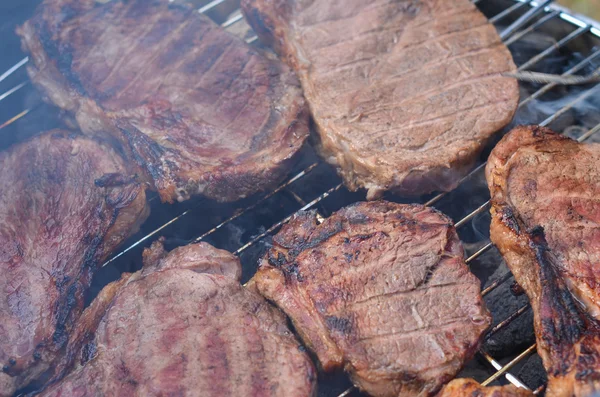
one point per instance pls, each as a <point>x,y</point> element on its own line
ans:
<point>314,185</point>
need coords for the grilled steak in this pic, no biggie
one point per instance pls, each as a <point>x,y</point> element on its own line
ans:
<point>184,326</point>
<point>200,111</point>
<point>470,388</point>
<point>545,192</point>
<point>404,93</point>
<point>66,203</point>
<point>380,289</point>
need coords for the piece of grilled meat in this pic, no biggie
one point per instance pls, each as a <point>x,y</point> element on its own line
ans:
<point>184,326</point>
<point>404,93</point>
<point>545,191</point>
<point>469,388</point>
<point>380,289</point>
<point>198,109</point>
<point>66,203</point>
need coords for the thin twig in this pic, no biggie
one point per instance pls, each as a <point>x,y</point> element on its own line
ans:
<point>546,78</point>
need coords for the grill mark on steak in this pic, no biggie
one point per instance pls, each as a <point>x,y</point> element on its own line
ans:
<point>374,62</point>
<point>218,367</point>
<point>198,65</point>
<point>424,69</point>
<point>160,47</point>
<point>418,289</point>
<point>373,282</point>
<point>184,325</point>
<point>427,94</point>
<point>98,15</point>
<point>67,202</point>
<point>417,144</point>
<point>355,13</point>
<point>125,56</point>
<point>454,94</point>
<point>377,135</point>
<point>368,269</point>
<point>390,29</point>
<point>214,64</point>
<point>200,111</point>
<point>481,28</point>
<point>450,325</point>
<point>533,175</point>
<point>475,25</point>
<point>438,59</point>
<point>230,82</point>
<point>107,29</point>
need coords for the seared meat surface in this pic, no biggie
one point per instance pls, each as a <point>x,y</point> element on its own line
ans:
<point>198,110</point>
<point>404,93</point>
<point>380,289</point>
<point>469,388</point>
<point>66,203</point>
<point>545,191</point>
<point>184,326</point>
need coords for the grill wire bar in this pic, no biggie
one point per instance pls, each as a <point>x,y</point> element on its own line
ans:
<point>13,90</point>
<point>14,69</point>
<point>510,35</point>
<point>521,21</point>
<point>515,7</point>
<point>570,37</point>
<point>551,15</point>
<point>569,72</point>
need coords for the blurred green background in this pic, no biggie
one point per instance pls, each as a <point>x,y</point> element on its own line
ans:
<point>586,7</point>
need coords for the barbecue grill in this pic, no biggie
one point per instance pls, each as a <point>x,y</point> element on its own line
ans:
<point>542,36</point>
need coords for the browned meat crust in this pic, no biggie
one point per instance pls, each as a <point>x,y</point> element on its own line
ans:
<point>199,111</point>
<point>470,388</point>
<point>184,326</point>
<point>66,203</point>
<point>404,94</point>
<point>380,289</point>
<point>545,192</point>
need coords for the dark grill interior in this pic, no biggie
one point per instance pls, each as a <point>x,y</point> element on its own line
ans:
<point>541,36</point>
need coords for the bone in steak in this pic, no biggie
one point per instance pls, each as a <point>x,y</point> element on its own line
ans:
<point>380,289</point>
<point>470,388</point>
<point>198,109</point>
<point>545,191</point>
<point>404,93</point>
<point>184,326</point>
<point>66,203</point>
